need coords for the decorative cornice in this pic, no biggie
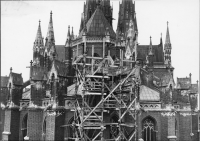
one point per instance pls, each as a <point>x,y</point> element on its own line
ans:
<point>168,114</point>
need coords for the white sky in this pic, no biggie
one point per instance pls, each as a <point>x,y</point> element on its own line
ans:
<point>19,24</point>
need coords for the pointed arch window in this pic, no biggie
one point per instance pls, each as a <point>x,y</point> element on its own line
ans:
<point>148,129</point>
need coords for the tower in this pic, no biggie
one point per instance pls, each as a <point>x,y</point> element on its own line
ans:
<point>167,48</point>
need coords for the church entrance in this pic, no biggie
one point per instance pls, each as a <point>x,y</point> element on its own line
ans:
<point>148,132</point>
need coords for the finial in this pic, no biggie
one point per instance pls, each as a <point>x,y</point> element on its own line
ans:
<point>39,22</point>
<point>190,74</point>
<point>197,82</point>
<point>167,23</point>
<point>10,69</point>
<point>161,34</point>
<point>51,13</point>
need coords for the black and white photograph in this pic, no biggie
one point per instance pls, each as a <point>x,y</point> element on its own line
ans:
<point>100,70</point>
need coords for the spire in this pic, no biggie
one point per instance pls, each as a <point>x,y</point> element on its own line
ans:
<point>167,48</point>
<point>68,33</point>
<point>50,32</point>
<point>161,38</point>
<point>39,33</point>
<point>38,39</point>
<point>167,40</point>
<point>72,34</point>
<point>150,48</point>
<point>68,37</point>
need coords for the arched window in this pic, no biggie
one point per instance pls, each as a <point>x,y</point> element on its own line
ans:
<point>24,126</point>
<point>148,129</point>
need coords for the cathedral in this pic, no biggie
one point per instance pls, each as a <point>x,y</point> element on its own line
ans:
<point>99,85</point>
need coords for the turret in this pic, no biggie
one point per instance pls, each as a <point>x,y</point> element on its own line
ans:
<point>167,48</point>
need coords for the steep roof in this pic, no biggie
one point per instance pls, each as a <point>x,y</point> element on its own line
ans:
<point>97,25</point>
<point>60,50</point>
<point>143,51</point>
<point>4,81</point>
<point>148,94</point>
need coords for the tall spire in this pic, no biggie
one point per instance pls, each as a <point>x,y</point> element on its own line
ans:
<point>50,32</point>
<point>167,48</point>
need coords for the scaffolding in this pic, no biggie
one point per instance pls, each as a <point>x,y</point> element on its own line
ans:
<point>101,88</point>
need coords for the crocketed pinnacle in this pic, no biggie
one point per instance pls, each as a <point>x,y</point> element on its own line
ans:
<point>150,48</point>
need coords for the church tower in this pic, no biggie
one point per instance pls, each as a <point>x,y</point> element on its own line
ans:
<point>38,48</point>
<point>167,48</point>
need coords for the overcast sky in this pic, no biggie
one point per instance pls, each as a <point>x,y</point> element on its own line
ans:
<point>19,23</point>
